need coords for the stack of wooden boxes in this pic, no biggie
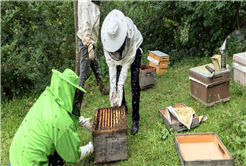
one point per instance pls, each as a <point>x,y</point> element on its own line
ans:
<point>239,68</point>
<point>162,60</point>
<point>209,90</point>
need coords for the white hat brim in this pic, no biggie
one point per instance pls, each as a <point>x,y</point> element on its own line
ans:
<point>113,44</point>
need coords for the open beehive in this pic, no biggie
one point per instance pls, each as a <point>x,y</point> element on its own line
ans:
<point>198,149</point>
<point>174,123</point>
<point>110,134</point>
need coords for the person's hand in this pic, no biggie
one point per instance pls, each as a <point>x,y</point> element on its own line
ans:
<point>86,150</point>
<point>91,52</point>
<point>85,122</point>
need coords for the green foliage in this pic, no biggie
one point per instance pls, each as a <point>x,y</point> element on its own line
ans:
<point>236,44</point>
<point>166,133</point>
<point>35,38</point>
<point>182,29</point>
<point>236,120</point>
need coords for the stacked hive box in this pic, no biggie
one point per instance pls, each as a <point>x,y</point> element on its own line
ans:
<point>162,58</point>
<point>239,68</point>
<point>110,134</point>
<point>147,76</point>
<point>209,90</point>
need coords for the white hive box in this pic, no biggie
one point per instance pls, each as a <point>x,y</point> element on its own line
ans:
<point>239,67</point>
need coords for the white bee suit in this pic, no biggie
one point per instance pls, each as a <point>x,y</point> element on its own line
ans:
<point>133,41</point>
<point>88,22</point>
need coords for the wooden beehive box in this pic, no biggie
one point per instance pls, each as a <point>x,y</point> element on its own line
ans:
<point>110,134</point>
<point>163,61</point>
<point>201,149</point>
<point>209,91</point>
<point>147,76</point>
<point>174,123</point>
<point>239,68</point>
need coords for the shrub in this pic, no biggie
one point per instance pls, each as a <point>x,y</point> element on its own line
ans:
<point>36,37</point>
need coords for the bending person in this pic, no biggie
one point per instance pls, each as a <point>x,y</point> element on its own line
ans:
<point>121,42</point>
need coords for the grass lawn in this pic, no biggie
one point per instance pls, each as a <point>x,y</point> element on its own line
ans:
<point>147,147</point>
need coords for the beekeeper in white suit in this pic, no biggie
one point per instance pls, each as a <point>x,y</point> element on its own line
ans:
<point>88,31</point>
<point>121,42</point>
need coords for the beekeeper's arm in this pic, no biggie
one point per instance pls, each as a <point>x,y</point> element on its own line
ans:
<point>85,26</point>
<point>68,146</point>
<point>112,74</point>
<point>126,63</point>
<point>116,97</point>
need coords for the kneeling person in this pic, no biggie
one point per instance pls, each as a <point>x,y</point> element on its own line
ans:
<point>48,134</point>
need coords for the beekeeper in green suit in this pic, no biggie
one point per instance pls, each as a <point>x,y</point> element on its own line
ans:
<point>47,135</point>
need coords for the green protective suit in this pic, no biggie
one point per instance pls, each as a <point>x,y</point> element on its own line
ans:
<point>49,125</point>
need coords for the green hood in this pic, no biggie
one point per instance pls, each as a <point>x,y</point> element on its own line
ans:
<point>61,88</point>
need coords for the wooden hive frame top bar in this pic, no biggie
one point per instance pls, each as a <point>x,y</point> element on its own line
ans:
<point>111,119</point>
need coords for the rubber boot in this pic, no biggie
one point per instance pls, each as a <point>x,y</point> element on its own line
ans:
<point>104,90</point>
<point>134,129</point>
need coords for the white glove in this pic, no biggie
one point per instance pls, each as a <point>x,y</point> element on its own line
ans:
<point>85,122</point>
<point>86,150</point>
<point>91,52</point>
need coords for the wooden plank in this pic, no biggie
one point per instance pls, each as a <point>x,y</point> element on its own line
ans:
<point>100,120</point>
<point>195,138</point>
<point>109,118</point>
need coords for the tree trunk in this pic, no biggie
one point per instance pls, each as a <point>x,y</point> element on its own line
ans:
<point>104,7</point>
<point>237,15</point>
<point>75,5</point>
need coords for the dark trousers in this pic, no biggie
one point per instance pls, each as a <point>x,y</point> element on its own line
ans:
<point>135,68</point>
<point>55,160</point>
<point>86,64</point>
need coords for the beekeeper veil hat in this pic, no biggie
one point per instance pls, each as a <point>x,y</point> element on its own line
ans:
<point>114,30</point>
